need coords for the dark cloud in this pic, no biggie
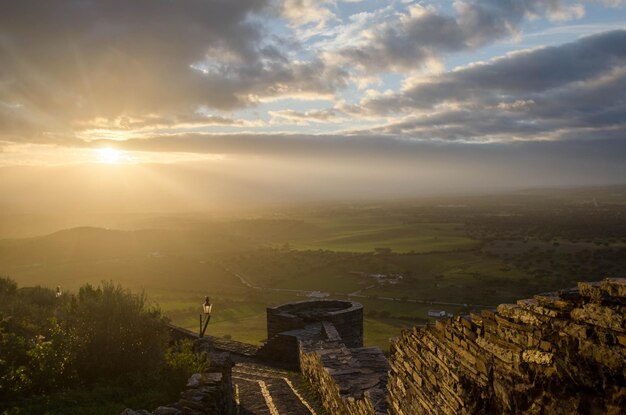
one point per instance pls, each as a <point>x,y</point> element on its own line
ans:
<point>552,92</point>
<point>301,168</point>
<point>373,146</point>
<point>70,60</point>
<point>532,71</point>
<point>72,66</point>
<point>332,166</point>
<point>409,40</point>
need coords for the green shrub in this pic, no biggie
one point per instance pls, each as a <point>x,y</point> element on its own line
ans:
<point>181,362</point>
<point>114,332</point>
<point>7,286</point>
<point>104,335</point>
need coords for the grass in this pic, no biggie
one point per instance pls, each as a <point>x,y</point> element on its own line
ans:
<point>460,277</point>
<point>251,329</point>
<point>366,236</point>
<point>241,320</point>
<point>377,332</point>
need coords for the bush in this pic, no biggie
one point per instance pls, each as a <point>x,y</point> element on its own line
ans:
<point>7,286</point>
<point>181,362</point>
<point>51,361</point>
<point>114,332</point>
<point>104,334</point>
<point>14,376</point>
<point>96,352</point>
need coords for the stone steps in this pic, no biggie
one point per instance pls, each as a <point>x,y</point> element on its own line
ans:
<point>264,390</point>
<point>259,370</point>
<point>251,399</point>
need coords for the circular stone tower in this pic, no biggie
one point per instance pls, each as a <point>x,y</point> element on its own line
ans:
<point>346,316</point>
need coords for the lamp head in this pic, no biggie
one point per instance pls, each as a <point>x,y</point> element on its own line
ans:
<point>207,306</point>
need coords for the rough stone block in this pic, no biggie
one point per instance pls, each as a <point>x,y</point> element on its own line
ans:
<point>615,287</point>
<point>556,353</point>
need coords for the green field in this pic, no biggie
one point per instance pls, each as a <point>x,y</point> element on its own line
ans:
<point>368,235</point>
<point>482,251</point>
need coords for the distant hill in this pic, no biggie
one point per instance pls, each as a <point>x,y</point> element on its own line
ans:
<point>92,243</point>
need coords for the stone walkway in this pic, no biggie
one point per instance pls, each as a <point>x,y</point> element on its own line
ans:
<point>264,390</point>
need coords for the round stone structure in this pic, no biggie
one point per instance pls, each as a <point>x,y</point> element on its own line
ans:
<point>346,316</point>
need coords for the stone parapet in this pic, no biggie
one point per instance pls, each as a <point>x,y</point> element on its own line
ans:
<point>556,353</point>
<point>323,339</point>
<point>348,381</point>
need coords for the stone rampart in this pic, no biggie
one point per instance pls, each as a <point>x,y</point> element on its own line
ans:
<point>557,353</point>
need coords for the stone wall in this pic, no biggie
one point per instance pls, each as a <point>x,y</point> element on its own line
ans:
<point>349,381</point>
<point>206,394</point>
<point>209,393</point>
<point>346,316</point>
<point>317,374</point>
<point>557,353</point>
<point>178,333</point>
<point>282,349</point>
<point>323,339</point>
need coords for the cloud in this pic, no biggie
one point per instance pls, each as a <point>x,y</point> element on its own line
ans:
<point>305,12</point>
<point>149,125</point>
<point>613,3</point>
<point>343,166</point>
<point>546,93</point>
<point>111,68</point>
<point>71,61</point>
<point>413,38</point>
<point>328,115</point>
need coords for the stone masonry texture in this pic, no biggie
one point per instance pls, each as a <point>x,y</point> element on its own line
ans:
<point>348,381</point>
<point>556,353</point>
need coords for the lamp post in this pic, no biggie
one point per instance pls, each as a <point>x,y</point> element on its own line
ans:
<point>205,316</point>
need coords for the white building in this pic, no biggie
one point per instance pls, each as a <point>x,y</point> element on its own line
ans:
<point>436,313</point>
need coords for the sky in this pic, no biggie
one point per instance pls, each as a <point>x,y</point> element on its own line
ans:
<point>308,99</point>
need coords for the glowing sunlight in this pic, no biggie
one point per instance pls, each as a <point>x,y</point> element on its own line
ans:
<point>109,155</point>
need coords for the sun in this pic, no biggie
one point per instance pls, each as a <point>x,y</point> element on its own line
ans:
<point>109,155</point>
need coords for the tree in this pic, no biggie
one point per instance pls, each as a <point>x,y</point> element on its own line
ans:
<point>104,337</point>
<point>115,332</point>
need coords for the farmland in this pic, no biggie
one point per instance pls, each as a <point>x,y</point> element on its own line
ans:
<point>398,259</point>
<point>367,235</point>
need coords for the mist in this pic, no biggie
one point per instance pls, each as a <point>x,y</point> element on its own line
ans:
<point>335,171</point>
